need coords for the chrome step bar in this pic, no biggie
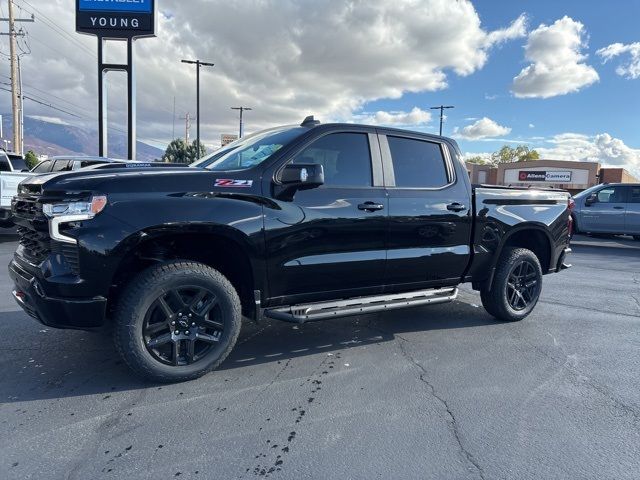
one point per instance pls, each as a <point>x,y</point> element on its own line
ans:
<point>341,308</point>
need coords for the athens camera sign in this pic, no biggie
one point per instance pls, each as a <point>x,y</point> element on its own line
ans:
<point>542,176</point>
<point>116,18</point>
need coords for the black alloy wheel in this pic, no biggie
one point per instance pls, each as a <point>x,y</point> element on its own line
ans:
<point>183,326</point>
<point>523,286</point>
<point>177,321</point>
<point>516,286</point>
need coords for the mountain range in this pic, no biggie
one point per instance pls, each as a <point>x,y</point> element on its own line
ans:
<point>55,138</point>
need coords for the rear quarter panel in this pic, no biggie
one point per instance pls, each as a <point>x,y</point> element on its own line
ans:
<point>501,213</point>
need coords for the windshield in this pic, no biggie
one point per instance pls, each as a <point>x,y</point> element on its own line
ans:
<point>250,151</point>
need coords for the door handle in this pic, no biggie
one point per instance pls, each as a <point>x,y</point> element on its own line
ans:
<point>370,206</point>
<point>618,208</point>
<point>456,207</point>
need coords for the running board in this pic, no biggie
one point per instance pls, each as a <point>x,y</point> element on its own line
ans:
<point>341,308</point>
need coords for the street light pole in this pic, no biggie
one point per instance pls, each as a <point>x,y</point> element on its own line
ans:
<point>242,110</point>
<point>442,108</point>
<point>198,64</point>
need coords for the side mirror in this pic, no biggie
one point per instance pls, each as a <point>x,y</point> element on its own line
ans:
<point>301,176</point>
<point>591,199</point>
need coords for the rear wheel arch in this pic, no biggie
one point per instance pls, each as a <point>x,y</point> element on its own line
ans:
<point>531,237</point>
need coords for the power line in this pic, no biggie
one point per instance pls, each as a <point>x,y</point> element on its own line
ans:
<point>52,24</point>
<point>42,103</point>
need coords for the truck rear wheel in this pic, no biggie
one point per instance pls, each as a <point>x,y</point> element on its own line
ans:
<point>516,287</point>
<point>177,321</point>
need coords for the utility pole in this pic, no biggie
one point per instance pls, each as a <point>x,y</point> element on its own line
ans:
<point>173,132</point>
<point>198,64</point>
<point>21,127</point>
<point>187,127</point>
<point>16,88</point>
<point>242,110</point>
<point>442,109</point>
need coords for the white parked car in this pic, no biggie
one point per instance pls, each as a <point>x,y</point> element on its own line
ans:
<point>13,169</point>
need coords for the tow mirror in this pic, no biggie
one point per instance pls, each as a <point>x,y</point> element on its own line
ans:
<point>301,176</point>
<point>591,199</point>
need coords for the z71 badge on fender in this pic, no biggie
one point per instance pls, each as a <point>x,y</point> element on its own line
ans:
<point>228,182</point>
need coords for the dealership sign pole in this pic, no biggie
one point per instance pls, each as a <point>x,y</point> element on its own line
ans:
<point>120,20</point>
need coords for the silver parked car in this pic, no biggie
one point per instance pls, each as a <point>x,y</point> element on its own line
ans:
<point>612,208</point>
<point>71,163</point>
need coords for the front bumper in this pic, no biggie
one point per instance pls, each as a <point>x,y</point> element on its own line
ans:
<point>71,313</point>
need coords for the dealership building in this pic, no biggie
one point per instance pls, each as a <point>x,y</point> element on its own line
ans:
<point>568,175</point>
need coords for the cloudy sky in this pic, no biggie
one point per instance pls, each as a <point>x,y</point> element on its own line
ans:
<point>562,77</point>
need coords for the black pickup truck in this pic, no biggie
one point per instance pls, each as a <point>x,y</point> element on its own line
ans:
<point>296,223</point>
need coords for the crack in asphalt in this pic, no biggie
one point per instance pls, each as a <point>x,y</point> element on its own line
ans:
<point>578,376</point>
<point>452,420</point>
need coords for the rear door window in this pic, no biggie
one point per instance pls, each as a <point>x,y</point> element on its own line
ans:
<point>62,166</point>
<point>4,164</point>
<point>417,163</point>
<point>18,163</point>
<point>635,195</point>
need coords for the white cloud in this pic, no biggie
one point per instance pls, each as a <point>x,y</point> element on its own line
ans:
<point>490,97</point>
<point>483,128</point>
<point>557,64</point>
<point>416,117</point>
<point>603,148</point>
<point>517,29</point>
<point>631,69</point>
<point>531,125</point>
<point>284,58</point>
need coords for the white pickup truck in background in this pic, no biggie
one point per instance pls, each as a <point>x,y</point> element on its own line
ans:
<point>13,169</point>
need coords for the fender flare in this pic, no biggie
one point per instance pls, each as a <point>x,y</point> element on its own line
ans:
<point>521,227</point>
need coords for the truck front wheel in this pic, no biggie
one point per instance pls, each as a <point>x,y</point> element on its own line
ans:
<point>177,321</point>
<point>516,287</point>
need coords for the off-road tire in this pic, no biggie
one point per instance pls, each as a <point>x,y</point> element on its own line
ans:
<point>496,300</point>
<point>137,299</point>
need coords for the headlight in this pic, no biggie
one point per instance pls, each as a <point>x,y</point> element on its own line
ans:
<point>88,209</point>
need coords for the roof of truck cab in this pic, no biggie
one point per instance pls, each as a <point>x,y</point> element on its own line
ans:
<point>384,129</point>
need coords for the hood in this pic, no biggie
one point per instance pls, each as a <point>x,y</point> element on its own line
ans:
<point>140,179</point>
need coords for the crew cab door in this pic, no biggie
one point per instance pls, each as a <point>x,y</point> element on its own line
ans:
<point>429,213</point>
<point>329,241</point>
<point>607,213</point>
<point>632,214</point>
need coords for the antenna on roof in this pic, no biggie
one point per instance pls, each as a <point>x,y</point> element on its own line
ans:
<point>310,121</point>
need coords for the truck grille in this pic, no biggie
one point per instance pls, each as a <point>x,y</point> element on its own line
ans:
<point>27,208</point>
<point>37,246</point>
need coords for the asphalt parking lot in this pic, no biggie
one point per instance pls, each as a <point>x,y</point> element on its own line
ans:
<point>441,392</point>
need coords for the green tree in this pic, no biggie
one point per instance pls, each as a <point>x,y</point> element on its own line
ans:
<point>507,154</point>
<point>478,160</point>
<point>179,152</point>
<point>31,159</point>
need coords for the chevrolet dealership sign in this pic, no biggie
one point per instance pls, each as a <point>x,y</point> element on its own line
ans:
<point>542,176</point>
<point>116,19</point>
